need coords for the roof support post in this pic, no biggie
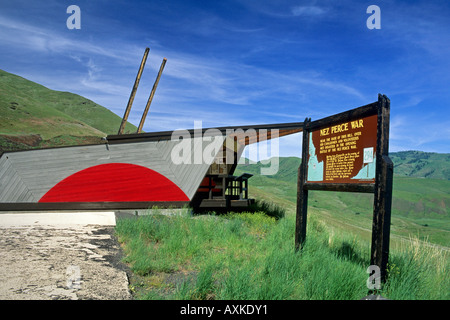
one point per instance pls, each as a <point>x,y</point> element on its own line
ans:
<point>150,98</point>
<point>133,92</point>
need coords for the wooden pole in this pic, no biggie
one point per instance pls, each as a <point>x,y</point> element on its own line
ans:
<point>133,92</point>
<point>302,192</point>
<point>383,192</point>
<point>152,93</point>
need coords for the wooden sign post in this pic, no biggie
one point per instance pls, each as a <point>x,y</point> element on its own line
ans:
<point>349,152</point>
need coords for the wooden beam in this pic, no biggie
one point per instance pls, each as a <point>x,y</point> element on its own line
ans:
<point>29,206</point>
<point>361,112</point>
<point>302,193</point>
<point>341,187</point>
<point>133,92</point>
<point>246,138</point>
<point>152,93</point>
<point>166,135</point>
<point>383,192</point>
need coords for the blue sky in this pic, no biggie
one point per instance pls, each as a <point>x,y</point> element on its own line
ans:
<point>243,62</point>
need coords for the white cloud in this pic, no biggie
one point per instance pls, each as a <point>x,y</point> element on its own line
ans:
<point>29,37</point>
<point>408,132</point>
<point>307,11</point>
<point>192,77</point>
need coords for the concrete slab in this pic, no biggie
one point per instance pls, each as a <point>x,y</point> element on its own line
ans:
<point>61,255</point>
<point>60,219</point>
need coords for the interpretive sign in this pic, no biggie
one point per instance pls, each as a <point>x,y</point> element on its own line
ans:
<point>344,153</point>
<point>349,152</point>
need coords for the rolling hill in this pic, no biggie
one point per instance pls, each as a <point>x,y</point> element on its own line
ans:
<point>421,164</point>
<point>35,116</point>
<point>420,206</point>
<point>416,164</point>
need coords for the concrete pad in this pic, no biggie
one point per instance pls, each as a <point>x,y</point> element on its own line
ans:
<point>59,219</point>
<point>61,255</point>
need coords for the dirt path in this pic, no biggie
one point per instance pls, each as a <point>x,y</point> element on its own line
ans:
<point>46,257</point>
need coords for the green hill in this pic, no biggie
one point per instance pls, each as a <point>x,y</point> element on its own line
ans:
<point>421,164</point>
<point>417,164</point>
<point>421,206</point>
<point>35,116</point>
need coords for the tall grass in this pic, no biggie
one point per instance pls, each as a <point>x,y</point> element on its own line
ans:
<point>252,256</point>
<point>418,270</point>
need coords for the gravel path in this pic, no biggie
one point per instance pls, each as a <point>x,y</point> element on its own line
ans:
<point>60,256</point>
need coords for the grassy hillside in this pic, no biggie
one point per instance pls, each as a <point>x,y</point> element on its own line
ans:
<point>35,116</point>
<point>415,164</point>
<point>421,206</point>
<point>251,256</point>
<point>421,164</point>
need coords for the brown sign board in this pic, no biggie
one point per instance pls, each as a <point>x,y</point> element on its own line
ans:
<point>349,152</point>
<point>343,152</point>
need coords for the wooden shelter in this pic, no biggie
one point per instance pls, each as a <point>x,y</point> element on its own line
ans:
<point>135,171</point>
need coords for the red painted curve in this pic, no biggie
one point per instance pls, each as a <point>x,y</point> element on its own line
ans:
<point>115,182</point>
